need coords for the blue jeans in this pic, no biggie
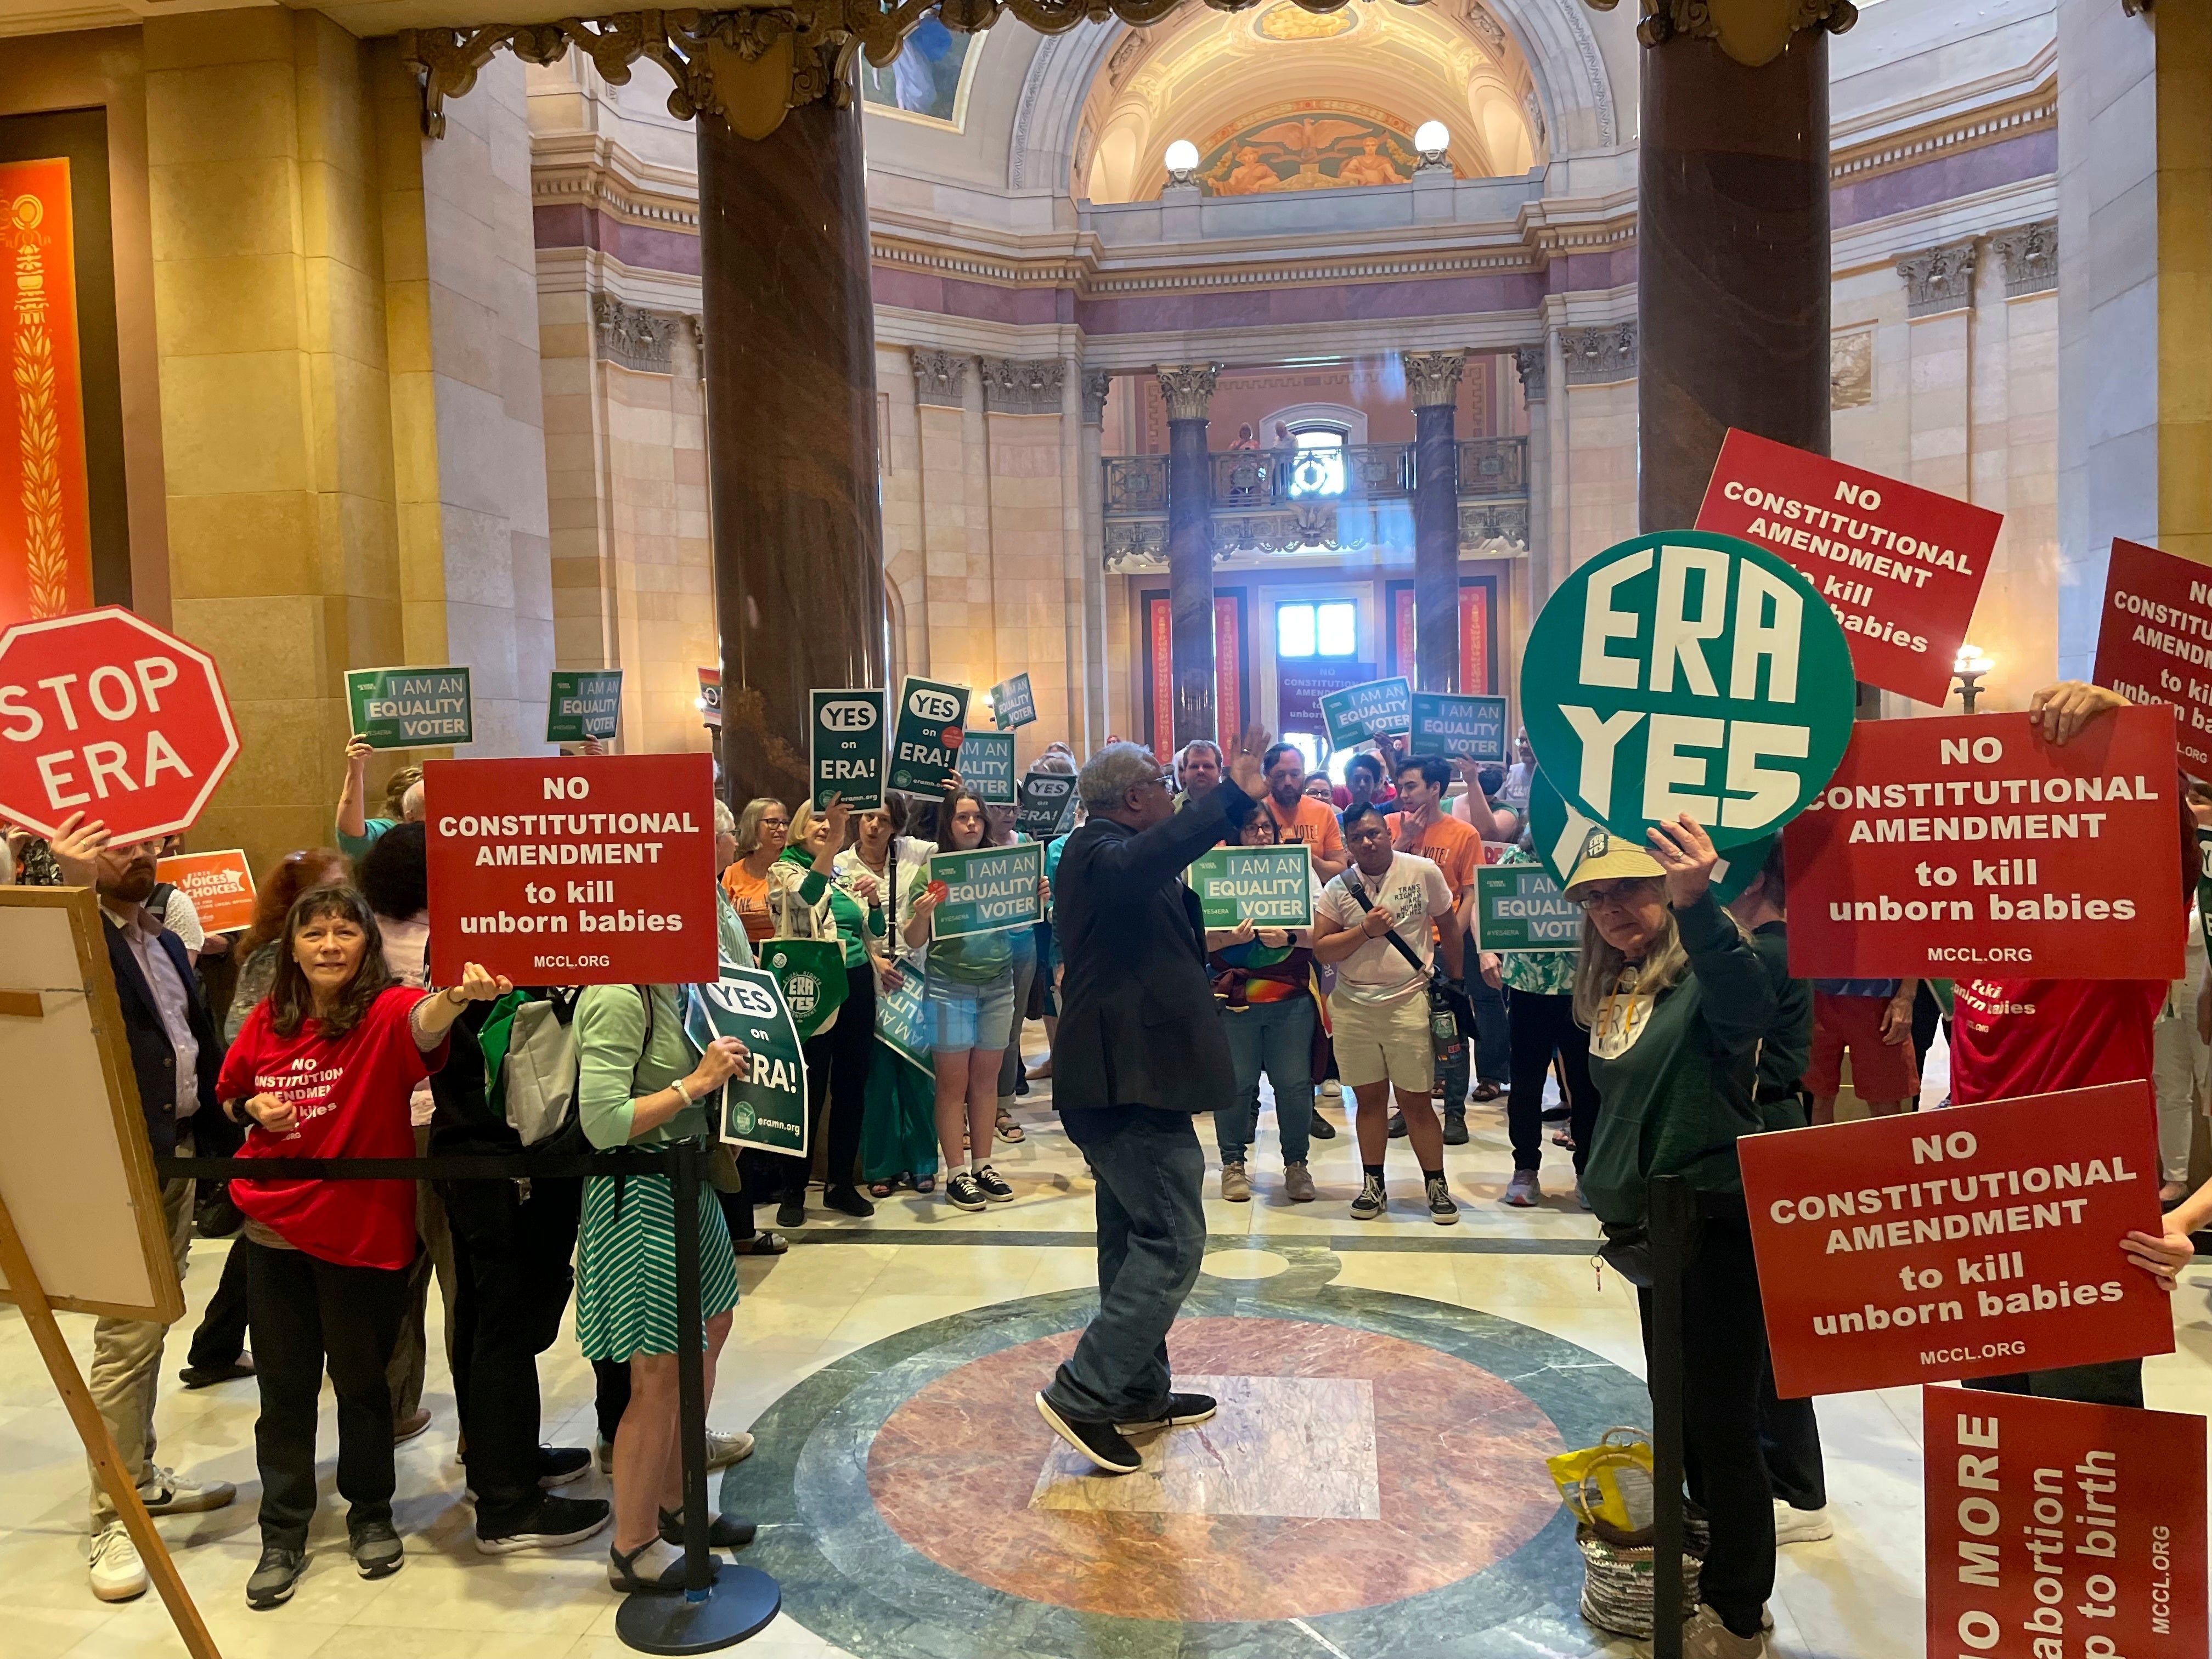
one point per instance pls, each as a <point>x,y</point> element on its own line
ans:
<point>1152,1233</point>
<point>1276,1037</point>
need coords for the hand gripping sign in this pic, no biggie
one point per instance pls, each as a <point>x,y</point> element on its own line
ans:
<point>1687,672</point>
<point>102,712</point>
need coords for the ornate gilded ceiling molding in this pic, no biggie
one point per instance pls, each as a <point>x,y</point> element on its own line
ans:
<point>1432,377</point>
<point>1752,32</point>
<point>1188,389</point>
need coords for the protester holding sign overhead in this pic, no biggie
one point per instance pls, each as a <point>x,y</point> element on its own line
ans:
<point>402,799</point>
<point>1539,1012</point>
<point>327,1067</point>
<point>1676,1001</point>
<point>639,1084</point>
<point>883,869</point>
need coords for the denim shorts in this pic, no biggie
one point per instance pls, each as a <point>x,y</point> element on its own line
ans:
<point>963,1016</point>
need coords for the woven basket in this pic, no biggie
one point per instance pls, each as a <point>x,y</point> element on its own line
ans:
<point>1617,1592</point>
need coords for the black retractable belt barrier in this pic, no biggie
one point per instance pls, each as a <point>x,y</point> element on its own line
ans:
<point>722,1603</point>
<point>1671,1209</point>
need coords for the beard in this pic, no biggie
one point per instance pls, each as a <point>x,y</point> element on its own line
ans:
<point>133,885</point>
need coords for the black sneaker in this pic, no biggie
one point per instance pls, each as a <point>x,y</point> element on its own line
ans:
<point>557,1465</point>
<point>206,1376</point>
<point>846,1201</point>
<point>1456,1127</point>
<point>1441,1210</point>
<point>723,1532</point>
<point>1370,1203</point>
<point>552,1523</point>
<point>1321,1128</point>
<point>962,1192</point>
<point>274,1578</point>
<point>994,1185</point>
<point>1397,1125</point>
<point>791,1212</point>
<point>1184,1410</point>
<point>376,1549</point>
<point>1102,1443</point>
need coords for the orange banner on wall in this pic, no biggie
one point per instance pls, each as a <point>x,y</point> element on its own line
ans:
<point>45,531</point>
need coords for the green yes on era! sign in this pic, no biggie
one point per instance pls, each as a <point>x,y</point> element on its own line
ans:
<point>410,708</point>
<point>1360,711</point>
<point>582,704</point>
<point>925,732</point>
<point>1688,673</point>
<point>846,750</point>
<point>763,1104</point>
<point>1518,907</point>
<point>1560,833</point>
<point>987,766</point>
<point>1012,703</point>
<point>1046,806</point>
<point>1271,886</point>
<point>1444,724</point>
<point>987,891</point>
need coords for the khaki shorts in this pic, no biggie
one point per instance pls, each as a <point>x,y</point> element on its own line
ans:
<point>1390,1041</point>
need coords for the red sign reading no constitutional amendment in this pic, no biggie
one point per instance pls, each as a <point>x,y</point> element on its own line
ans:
<point>1973,1241</point>
<point>2061,1531</point>
<point>572,871</point>
<point>1947,848</point>
<point>2155,644</point>
<point>1901,566</point>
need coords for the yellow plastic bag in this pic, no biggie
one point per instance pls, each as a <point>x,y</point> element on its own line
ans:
<point>1608,1486</point>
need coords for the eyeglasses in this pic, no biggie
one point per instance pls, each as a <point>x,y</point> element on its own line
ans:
<point>1620,897</point>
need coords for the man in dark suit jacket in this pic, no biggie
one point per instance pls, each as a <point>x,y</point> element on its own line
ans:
<point>1139,1052</point>
<point>175,1055</point>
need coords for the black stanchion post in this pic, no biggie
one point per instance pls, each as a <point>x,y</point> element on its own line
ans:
<point>1671,1216</point>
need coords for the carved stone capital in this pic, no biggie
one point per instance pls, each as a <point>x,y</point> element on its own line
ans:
<point>1938,279</point>
<point>1752,32</point>
<point>1432,377</point>
<point>635,338</point>
<point>2028,255</point>
<point>1188,389</point>
<point>1601,355</point>
<point>1531,362</point>
<point>1012,386</point>
<point>939,377</point>
<point>1097,383</point>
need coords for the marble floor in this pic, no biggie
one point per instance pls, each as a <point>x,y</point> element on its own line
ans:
<point>1372,1488</point>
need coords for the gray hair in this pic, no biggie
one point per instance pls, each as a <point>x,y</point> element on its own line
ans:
<point>1112,773</point>
<point>410,804</point>
<point>725,821</point>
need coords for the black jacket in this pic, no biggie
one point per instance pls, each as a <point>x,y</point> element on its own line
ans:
<point>153,1061</point>
<point>1138,1025</point>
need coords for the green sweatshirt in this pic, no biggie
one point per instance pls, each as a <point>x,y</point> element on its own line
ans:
<point>1675,1073</point>
<point>1789,1045</point>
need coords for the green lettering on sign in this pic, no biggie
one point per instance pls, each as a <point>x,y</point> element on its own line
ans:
<point>987,891</point>
<point>410,707</point>
<point>1270,885</point>
<point>1688,673</point>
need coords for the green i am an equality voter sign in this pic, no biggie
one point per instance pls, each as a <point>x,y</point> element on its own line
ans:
<point>581,704</point>
<point>1375,709</point>
<point>987,766</point>
<point>410,708</point>
<point>1271,886</point>
<point>764,1103</point>
<point>1687,672</point>
<point>986,891</point>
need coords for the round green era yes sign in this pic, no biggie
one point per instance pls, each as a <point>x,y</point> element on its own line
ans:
<point>1688,673</point>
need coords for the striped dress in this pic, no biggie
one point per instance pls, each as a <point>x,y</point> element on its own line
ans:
<point>626,1253</point>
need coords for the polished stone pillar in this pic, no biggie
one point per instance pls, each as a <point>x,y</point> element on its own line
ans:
<point>791,431</point>
<point>1095,384</point>
<point>1546,564</point>
<point>1433,387</point>
<point>1188,389</point>
<point>1732,255</point>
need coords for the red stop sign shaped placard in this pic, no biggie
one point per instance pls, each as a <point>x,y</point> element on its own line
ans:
<point>104,713</point>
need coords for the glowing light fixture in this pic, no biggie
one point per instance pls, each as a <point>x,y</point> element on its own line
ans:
<point>1432,139</point>
<point>1182,161</point>
<point>1970,667</point>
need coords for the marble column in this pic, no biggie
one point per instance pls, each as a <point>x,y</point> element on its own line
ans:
<point>1732,243</point>
<point>1188,389</point>
<point>1433,387</point>
<point>791,431</point>
<point>1532,363</point>
<point>1096,384</point>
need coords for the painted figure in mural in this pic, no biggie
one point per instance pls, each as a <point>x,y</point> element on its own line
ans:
<point>1368,167</point>
<point>1250,176</point>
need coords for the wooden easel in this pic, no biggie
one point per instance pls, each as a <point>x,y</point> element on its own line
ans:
<point>154,1292</point>
<point>92,1429</point>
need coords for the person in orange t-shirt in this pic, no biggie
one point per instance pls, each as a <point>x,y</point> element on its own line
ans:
<point>1422,827</point>
<point>1298,815</point>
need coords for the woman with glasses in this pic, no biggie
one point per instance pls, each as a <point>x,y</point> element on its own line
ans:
<point>1675,1000</point>
<point>762,828</point>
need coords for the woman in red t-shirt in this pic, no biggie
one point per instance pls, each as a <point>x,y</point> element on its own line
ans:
<point>323,1068</point>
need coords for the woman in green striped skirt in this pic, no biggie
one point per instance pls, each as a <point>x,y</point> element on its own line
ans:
<point>638,1085</point>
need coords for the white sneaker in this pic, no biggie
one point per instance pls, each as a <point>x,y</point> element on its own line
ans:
<point>1332,1090</point>
<point>726,1448</point>
<point>118,1574</point>
<point>1794,1526</point>
<point>166,1492</point>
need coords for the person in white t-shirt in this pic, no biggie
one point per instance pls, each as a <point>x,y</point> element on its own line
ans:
<point>1380,1008</point>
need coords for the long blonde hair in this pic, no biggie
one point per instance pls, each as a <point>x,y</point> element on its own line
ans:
<point>1599,968</point>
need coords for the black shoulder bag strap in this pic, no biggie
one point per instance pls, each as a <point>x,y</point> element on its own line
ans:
<point>1462,1009</point>
<point>1360,898</point>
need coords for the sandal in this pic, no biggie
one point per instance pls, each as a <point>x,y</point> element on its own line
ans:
<point>760,1243</point>
<point>1009,1130</point>
<point>882,1188</point>
<point>926,1184</point>
<point>622,1572</point>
